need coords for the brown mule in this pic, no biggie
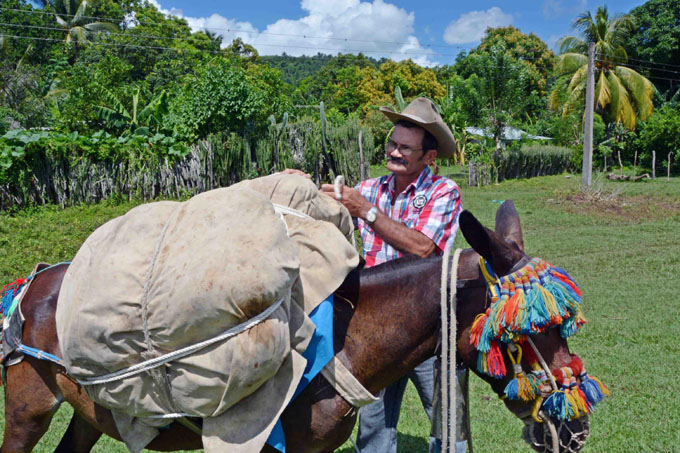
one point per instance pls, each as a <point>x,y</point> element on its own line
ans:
<point>390,325</point>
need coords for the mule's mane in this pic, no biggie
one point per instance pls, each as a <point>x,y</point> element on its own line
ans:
<point>412,262</point>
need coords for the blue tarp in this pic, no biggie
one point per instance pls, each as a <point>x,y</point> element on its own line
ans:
<point>318,354</point>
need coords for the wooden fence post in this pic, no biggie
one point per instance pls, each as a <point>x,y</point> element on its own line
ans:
<point>653,164</point>
<point>361,156</point>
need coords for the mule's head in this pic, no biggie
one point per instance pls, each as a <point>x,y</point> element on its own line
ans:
<point>548,407</point>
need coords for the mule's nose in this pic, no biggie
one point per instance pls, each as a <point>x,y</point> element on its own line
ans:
<point>567,437</point>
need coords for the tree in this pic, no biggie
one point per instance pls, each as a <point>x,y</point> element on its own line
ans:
<point>526,48</point>
<point>501,85</point>
<point>238,48</point>
<point>661,132</point>
<point>223,97</point>
<point>71,15</point>
<point>654,45</point>
<point>621,94</point>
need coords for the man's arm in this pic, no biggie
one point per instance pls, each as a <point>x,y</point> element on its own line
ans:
<point>400,237</point>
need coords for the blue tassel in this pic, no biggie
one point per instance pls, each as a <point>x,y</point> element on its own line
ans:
<point>591,388</point>
<point>556,405</point>
<point>511,390</point>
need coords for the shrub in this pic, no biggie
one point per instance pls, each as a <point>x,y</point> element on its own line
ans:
<point>533,160</point>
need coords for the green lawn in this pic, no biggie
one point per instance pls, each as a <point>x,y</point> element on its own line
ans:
<point>621,242</point>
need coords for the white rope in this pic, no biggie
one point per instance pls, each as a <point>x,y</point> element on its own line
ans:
<point>553,384</point>
<point>337,186</point>
<point>541,360</point>
<point>280,209</point>
<point>553,433</point>
<point>448,360</point>
<point>157,361</point>
<point>167,416</point>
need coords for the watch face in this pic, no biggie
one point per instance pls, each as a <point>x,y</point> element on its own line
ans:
<point>371,215</point>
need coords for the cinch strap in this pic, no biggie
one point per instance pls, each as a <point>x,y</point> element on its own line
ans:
<point>346,384</point>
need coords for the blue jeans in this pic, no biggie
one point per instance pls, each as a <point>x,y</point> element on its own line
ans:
<point>378,421</point>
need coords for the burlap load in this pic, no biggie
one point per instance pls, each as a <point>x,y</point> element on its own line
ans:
<point>170,275</point>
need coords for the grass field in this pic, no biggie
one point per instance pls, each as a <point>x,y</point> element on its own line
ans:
<point>621,242</point>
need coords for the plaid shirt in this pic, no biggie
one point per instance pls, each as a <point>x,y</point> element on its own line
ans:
<point>431,204</point>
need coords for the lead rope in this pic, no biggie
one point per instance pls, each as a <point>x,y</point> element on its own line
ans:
<point>553,384</point>
<point>448,361</point>
<point>338,185</point>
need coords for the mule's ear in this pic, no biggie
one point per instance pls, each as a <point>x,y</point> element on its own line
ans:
<point>492,247</point>
<point>507,223</point>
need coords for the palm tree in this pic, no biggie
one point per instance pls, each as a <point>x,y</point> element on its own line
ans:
<point>621,94</point>
<point>71,17</point>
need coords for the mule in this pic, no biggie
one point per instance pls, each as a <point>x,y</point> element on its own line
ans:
<point>386,321</point>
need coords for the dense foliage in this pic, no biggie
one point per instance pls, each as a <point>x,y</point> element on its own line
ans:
<point>109,81</point>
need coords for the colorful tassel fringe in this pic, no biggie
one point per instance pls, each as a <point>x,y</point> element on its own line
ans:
<point>527,302</point>
<point>572,400</point>
<point>7,294</point>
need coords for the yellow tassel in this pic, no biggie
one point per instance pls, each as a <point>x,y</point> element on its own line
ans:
<point>573,406</point>
<point>551,305</point>
<point>580,404</point>
<point>604,389</point>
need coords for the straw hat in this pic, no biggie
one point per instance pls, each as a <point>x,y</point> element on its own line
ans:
<point>422,111</point>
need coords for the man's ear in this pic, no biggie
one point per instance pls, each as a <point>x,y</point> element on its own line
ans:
<point>429,156</point>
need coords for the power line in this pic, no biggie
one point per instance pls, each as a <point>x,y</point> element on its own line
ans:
<point>614,57</point>
<point>234,30</point>
<point>293,46</point>
<point>35,38</point>
<point>194,50</point>
<point>189,38</point>
<point>256,44</point>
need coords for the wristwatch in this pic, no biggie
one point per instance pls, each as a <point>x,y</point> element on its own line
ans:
<point>371,215</point>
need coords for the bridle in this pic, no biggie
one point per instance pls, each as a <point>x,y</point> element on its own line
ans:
<point>531,298</point>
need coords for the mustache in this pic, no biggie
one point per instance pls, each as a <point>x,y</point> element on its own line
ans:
<point>397,160</point>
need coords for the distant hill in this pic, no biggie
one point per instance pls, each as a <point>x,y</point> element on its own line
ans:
<point>294,69</point>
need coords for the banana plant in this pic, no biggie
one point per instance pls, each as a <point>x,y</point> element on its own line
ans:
<point>138,120</point>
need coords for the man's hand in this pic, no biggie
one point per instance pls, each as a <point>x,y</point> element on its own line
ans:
<point>294,171</point>
<point>355,203</point>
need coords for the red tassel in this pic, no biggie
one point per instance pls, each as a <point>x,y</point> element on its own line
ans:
<point>477,328</point>
<point>568,281</point>
<point>494,360</point>
<point>510,311</point>
<point>576,365</point>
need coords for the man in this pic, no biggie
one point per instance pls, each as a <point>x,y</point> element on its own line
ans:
<point>409,211</point>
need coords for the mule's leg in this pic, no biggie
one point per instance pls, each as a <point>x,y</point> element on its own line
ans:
<point>80,436</point>
<point>30,403</point>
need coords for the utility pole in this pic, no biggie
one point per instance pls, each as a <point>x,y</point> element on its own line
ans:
<point>587,177</point>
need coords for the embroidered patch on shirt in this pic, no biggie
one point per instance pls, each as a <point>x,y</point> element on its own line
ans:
<point>419,201</point>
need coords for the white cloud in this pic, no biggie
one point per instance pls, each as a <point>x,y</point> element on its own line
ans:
<point>557,8</point>
<point>378,29</point>
<point>470,27</point>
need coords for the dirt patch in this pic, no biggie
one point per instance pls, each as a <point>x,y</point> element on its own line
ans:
<point>630,208</point>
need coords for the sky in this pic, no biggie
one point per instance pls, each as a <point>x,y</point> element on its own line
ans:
<point>430,32</point>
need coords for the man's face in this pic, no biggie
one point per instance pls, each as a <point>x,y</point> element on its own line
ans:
<point>408,138</point>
